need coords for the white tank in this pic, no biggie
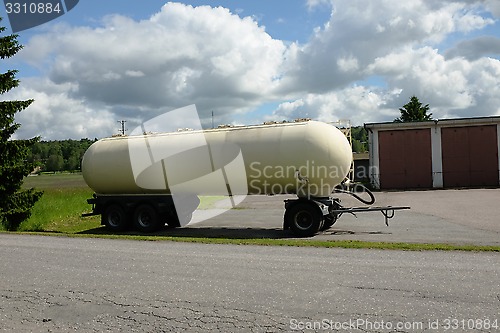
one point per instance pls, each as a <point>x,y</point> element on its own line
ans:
<point>306,158</point>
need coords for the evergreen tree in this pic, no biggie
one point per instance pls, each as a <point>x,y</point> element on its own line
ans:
<point>414,111</point>
<point>15,203</point>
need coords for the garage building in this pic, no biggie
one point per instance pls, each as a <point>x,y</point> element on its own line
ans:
<point>435,154</point>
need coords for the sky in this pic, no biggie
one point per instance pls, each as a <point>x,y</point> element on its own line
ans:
<point>253,61</point>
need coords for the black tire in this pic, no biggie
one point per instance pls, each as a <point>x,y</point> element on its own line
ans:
<point>146,218</point>
<point>304,219</point>
<point>114,218</point>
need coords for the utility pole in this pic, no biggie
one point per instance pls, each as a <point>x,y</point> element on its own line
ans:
<point>122,129</point>
<point>212,119</point>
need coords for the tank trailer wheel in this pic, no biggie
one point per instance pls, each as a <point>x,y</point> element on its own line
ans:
<point>146,218</point>
<point>329,222</point>
<point>114,218</point>
<point>304,219</point>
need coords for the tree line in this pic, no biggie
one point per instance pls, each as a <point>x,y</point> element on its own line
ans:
<point>59,155</point>
<point>359,139</point>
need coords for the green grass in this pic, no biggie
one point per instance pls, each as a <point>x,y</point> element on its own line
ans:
<point>346,244</point>
<point>65,198</point>
<point>208,202</point>
<point>60,208</point>
<point>55,181</point>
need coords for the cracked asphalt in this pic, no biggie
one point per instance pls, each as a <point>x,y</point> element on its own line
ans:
<point>58,284</point>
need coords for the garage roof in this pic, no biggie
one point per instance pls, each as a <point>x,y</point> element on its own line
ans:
<point>456,122</point>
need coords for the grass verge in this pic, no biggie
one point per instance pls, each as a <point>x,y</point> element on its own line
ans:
<point>59,210</point>
<point>346,244</point>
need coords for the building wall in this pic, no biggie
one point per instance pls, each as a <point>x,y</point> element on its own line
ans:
<point>435,154</point>
<point>437,163</point>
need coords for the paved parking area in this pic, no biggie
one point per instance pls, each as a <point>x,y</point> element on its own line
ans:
<point>469,216</point>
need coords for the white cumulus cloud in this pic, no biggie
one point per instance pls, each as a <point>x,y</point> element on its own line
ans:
<point>363,63</point>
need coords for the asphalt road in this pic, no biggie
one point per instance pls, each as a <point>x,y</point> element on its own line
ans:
<point>56,284</point>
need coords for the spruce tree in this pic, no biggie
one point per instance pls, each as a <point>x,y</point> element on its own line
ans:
<point>414,110</point>
<point>15,203</point>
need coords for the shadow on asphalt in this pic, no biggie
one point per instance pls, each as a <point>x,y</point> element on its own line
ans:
<point>230,233</point>
<point>203,232</point>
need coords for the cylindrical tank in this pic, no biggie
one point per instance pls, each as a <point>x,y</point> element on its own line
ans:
<point>306,158</point>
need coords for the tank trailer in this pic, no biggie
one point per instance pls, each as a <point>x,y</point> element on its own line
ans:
<point>152,180</point>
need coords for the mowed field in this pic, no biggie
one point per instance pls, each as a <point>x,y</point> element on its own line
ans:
<point>60,208</point>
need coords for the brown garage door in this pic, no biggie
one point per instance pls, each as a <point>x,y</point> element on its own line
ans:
<point>405,159</point>
<point>470,156</point>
